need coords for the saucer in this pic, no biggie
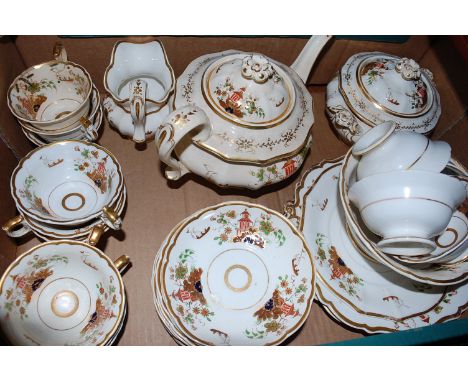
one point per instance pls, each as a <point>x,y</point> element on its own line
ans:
<point>357,290</point>
<point>235,273</point>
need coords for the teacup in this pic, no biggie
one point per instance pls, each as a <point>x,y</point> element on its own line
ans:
<point>68,183</point>
<point>87,129</point>
<point>62,293</point>
<point>52,95</point>
<point>139,80</point>
<point>407,208</point>
<point>382,149</point>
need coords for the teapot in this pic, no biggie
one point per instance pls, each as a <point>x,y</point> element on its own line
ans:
<point>374,87</point>
<point>239,119</point>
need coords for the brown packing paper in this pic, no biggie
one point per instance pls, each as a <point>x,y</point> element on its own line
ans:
<point>155,205</point>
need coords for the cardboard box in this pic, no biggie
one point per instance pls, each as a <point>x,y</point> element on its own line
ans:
<point>155,205</point>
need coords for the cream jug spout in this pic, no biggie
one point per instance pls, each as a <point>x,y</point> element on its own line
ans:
<point>306,59</point>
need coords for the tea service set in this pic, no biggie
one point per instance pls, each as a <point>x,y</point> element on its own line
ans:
<point>378,237</point>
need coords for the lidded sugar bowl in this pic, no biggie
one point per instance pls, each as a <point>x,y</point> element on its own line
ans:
<point>374,87</point>
<point>240,119</point>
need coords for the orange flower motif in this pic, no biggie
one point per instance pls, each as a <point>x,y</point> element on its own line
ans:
<point>205,312</point>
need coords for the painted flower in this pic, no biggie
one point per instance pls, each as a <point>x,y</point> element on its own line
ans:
<point>288,291</point>
<point>231,214</point>
<point>196,310</point>
<point>223,237</point>
<point>284,284</point>
<point>272,326</point>
<point>228,230</point>
<point>205,312</point>
<point>180,310</point>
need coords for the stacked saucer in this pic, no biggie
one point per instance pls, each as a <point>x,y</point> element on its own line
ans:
<point>233,274</point>
<point>63,293</point>
<point>359,288</point>
<point>67,190</point>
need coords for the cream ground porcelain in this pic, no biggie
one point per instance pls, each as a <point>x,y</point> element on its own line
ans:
<point>407,208</point>
<point>356,290</point>
<point>88,133</point>
<point>242,114</point>
<point>139,81</point>
<point>90,232</point>
<point>51,95</point>
<point>67,182</point>
<point>455,271</point>
<point>87,129</point>
<point>374,87</point>
<point>62,293</point>
<point>218,285</point>
<point>382,149</point>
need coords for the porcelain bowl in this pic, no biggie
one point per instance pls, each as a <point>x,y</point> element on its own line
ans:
<point>51,95</point>
<point>62,293</point>
<point>67,182</point>
<point>407,208</point>
<point>382,149</point>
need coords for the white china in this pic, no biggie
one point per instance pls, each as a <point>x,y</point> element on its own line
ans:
<point>382,149</point>
<point>239,119</point>
<point>454,272</point>
<point>374,87</point>
<point>62,293</point>
<point>88,134</point>
<point>233,274</point>
<point>90,232</point>
<point>355,289</point>
<point>67,183</point>
<point>87,129</point>
<point>407,208</point>
<point>52,95</point>
<point>139,81</point>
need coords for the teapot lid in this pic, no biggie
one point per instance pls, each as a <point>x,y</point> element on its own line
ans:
<point>396,85</point>
<point>249,90</point>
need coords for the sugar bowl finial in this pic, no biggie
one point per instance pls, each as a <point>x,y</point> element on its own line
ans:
<point>408,68</point>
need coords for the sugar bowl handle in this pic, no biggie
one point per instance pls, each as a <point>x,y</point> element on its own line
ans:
<point>18,221</point>
<point>137,109</point>
<point>181,122</point>
<point>90,130</point>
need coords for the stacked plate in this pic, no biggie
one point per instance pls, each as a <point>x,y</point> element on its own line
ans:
<point>63,293</point>
<point>87,130</point>
<point>364,288</point>
<point>233,274</point>
<point>67,190</point>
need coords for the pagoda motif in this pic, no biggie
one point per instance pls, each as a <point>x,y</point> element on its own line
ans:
<point>289,167</point>
<point>244,223</point>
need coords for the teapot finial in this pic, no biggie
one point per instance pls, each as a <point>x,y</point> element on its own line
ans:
<point>408,68</point>
<point>257,67</point>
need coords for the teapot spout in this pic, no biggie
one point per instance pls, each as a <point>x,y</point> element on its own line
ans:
<point>306,59</point>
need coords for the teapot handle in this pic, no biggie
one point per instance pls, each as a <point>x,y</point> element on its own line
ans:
<point>137,109</point>
<point>189,119</point>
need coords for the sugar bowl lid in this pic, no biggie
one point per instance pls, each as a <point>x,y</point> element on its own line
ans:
<point>379,87</point>
<point>396,85</point>
<point>248,89</point>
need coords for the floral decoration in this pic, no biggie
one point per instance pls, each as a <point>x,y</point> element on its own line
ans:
<point>106,303</point>
<point>235,229</point>
<point>28,193</point>
<point>25,284</point>
<point>347,280</point>
<point>191,307</point>
<point>235,101</point>
<point>273,316</point>
<point>95,168</point>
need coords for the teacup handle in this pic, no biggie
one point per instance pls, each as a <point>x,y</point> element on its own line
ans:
<point>90,130</point>
<point>137,109</point>
<point>122,262</point>
<point>10,225</point>
<point>176,126</point>
<point>59,52</point>
<point>96,234</point>
<point>111,218</point>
